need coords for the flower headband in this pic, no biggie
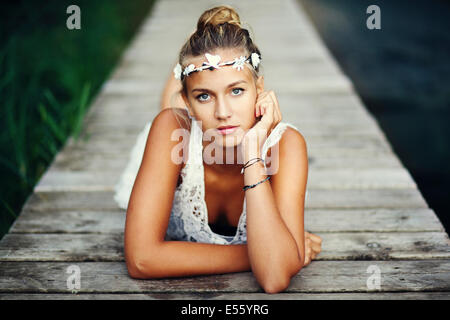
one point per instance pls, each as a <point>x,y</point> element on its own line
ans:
<point>213,63</point>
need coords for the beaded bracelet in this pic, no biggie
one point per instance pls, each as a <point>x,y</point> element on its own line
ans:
<point>246,165</point>
<point>254,185</point>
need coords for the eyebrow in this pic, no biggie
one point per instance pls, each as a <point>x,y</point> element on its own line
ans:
<point>230,85</point>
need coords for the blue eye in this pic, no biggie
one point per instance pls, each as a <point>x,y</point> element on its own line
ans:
<point>201,95</point>
<point>242,90</point>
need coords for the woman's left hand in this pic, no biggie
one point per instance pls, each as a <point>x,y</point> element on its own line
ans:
<point>313,246</point>
<point>268,109</point>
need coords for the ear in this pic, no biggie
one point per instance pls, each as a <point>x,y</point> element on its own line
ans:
<point>260,84</point>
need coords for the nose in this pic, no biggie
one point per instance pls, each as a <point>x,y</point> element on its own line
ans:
<point>223,109</point>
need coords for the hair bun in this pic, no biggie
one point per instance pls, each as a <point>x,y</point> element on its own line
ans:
<point>219,15</point>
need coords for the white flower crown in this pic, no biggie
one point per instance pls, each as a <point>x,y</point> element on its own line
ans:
<point>213,63</point>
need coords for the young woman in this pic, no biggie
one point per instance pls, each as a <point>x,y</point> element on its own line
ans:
<point>236,200</point>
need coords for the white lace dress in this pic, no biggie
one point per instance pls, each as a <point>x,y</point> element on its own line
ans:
<point>189,215</point>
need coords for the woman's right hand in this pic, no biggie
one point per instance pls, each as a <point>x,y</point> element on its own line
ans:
<point>313,246</point>
<point>268,109</point>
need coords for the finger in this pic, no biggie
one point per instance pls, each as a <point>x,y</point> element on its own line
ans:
<point>258,105</point>
<point>261,96</point>
<point>267,109</point>
<point>316,248</point>
<point>307,261</point>
<point>274,97</point>
<point>315,238</point>
<point>275,101</point>
<point>259,108</point>
<point>277,110</point>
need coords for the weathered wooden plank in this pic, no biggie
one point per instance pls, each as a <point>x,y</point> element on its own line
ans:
<point>316,221</point>
<point>367,143</point>
<point>133,86</point>
<point>97,162</point>
<point>360,178</point>
<point>372,220</point>
<point>355,162</point>
<point>364,143</point>
<point>360,198</point>
<point>343,152</point>
<point>335,246</point>
<point>302,70</point>
<point>384,246</point>
<point>54,180</point>
<point>81,221</point>
<point>62,247</point>
<point>79,160</point>
<point>318,277</point>
<point>52,201</point>
<point>339,146</point>
<point>230,296</point>
<point>315,85</point>
<point>77,181</point>
<point>317,198</point>
<point>117,104</point>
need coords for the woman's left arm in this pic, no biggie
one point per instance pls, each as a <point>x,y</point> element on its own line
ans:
<point>275,211</point>
<point>171,94</point>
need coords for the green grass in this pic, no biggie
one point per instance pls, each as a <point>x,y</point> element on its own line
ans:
<point>48,77</point>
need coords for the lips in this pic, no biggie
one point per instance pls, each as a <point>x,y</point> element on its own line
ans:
<point>226,129</point>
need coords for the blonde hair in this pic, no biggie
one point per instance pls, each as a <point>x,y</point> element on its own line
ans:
<point>218,27</point>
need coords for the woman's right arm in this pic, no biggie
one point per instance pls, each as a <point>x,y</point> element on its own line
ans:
<point>147,254</point>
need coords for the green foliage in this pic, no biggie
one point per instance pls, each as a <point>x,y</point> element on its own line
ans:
<point>48,77</point>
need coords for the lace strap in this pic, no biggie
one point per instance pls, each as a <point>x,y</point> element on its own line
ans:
<point>196,143</point>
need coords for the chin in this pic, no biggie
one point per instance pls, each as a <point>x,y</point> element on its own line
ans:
<point>231,140</point>
<point>228,141</point>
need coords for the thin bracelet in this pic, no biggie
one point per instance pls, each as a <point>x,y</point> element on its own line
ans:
<point>254,185</point>
<point>246,165</point>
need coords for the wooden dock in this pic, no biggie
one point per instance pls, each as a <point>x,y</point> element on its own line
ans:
<point>361,199</point>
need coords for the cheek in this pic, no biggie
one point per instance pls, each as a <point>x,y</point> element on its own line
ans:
<point>249,103</point>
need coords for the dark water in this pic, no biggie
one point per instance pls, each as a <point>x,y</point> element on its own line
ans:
<point>402,73</point>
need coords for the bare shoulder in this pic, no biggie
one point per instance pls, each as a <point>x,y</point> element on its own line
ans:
<point>169,132</point>
<point>173,118</point>
<point>292,155</point>
<point>292,141</point>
